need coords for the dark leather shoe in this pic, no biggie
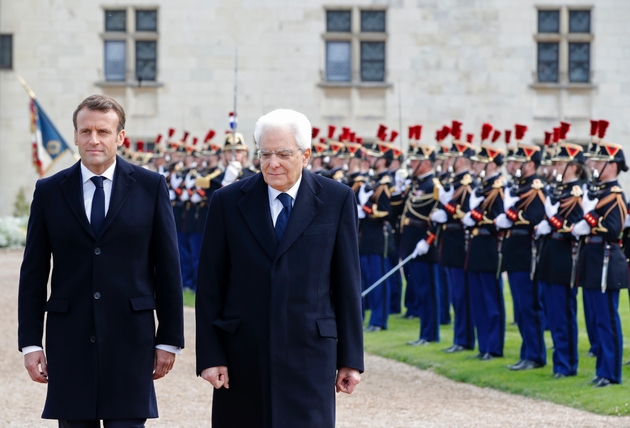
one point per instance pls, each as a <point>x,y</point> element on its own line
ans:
<point>373,328</point>
<point>559,375</point>
<point>454,348</point>
<point>602,382</point>
<point>526,365</point>
<point>591,355</point>
<point>478,356</point>
<point>594,380</point>
<point>419,342</point>
<point>516,364</point>
<point>486,357</point>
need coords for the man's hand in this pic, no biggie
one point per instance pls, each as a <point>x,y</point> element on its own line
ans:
<point>508,200</point>
<point>475,200</point>
<point>502,222</point>
<point>232,172</point>
<point>347,379</point>
<point>588,204</point>
<point>551,209</point>
<point>163,363</point>
<point>422,247</point>
<point>35,363</point>
<point>581,228</point>
<point>445,197</point>
<point>364,196</point>
<point>217,376</point>
<point>439,216</point>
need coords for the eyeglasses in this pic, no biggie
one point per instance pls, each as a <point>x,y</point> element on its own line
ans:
<point>283,154</point>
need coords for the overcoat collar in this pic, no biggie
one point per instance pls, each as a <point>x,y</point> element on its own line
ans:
<point>72,188</point>
<point>254,207</point>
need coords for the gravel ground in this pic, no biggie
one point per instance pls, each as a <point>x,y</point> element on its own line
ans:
<point>391,394</point>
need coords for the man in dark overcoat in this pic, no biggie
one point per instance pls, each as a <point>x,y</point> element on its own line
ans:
<point>109,228</point>
<point>278,304</point>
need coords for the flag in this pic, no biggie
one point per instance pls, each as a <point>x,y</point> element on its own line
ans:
<point>233,121</point>
<point>48,144</point>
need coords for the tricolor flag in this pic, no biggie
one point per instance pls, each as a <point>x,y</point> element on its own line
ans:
<point>48,144</point>
<point>233,121</point>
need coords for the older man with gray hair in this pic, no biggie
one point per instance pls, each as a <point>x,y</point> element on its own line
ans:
<point>278,293</point>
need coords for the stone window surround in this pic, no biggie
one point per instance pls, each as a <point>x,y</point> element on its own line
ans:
<point>130,36</point>
<point>563,38</point>
<point>8,36</point>
<point>355,37</point>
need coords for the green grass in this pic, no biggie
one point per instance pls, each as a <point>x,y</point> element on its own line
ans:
<point>573,391</point>
<point>539,383</point>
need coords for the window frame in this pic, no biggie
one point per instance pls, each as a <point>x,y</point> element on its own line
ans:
<point>11,56</point>
<point>355,37</point>
<point>131,36</point>
<point>564,38</point>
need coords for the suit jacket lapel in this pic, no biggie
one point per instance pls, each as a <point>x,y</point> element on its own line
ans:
<point>123,181</point>
<point>306,207</point>
<point>254,207</point>
<point>72,189</point>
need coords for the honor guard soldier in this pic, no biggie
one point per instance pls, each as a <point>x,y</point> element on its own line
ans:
<point>335,155</point>
<point>375,233</point>
<point>355,153</point>
<point>602,263</point>
<point>524,209</point>
<point>316,165</point>
<point>557,271</point>
<point>417,236</point>
<point>234,156</point>
<point>397,168</point>
<point>454,199</point>
<point>482,244</point>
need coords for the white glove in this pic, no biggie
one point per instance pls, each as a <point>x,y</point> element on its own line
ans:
<point>509,201</point>
<point>627,222</point>
<point>400,184</point>
<point>543,228</point>
<point>502,222</point>
<point>364,196</point>
<point>172,195</point>
<point>581,228</point>
<point>232,172</point>
<point>422,247</point>
<point>360,212</point>
<point>444,196</point>
<point>439,216</point>
<point>550,209</point>
<point>588,205</point>
<point>468,220</point>
<point>176,181</point>
<point>475,200</point>
<point>184,196</point>
<point>196,198</point>
<point>190,181</point>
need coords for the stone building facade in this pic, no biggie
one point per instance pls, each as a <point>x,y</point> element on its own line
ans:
<point>347,63</point>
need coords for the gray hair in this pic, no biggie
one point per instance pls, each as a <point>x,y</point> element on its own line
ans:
<point>285,118</point>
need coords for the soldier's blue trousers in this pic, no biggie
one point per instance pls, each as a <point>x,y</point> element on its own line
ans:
<point>421,277</point>
<point>395,284</point>
<point>445,295</point>
<point>610,337</point>
<point>562,310</point>
<point>464,328</point>
<point>591,325</point>
<point>488,310</point>
<point>373,267</point>
<point>531,318</point>
<point>189,245</point>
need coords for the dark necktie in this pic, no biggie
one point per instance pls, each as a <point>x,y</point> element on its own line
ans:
<point>98,205</point>
<point>283,217</point>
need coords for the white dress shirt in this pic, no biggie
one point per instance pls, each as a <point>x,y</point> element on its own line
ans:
<point>88,194</point>
<point>274,203</point>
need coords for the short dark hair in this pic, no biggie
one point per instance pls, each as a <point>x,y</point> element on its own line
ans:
<point>101,103</point>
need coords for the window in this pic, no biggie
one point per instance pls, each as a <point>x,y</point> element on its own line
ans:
<point>355,45</point>
<point>130,45</point>
<point>564,46</point>
<point>6,51</point>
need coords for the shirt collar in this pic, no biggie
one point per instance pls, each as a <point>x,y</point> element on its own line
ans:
<point>273,193</point>
<point>87,174</point>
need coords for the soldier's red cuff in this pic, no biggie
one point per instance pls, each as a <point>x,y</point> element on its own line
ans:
<point>512,215</point>
<point>556,222</point>
<point>476,215</point>
<point>190,192</point>
<point>430,238</point>
<point>178,191</point>
<point>367,208</point>
<point>201,193</point>
<point>591,218</point>
<point>450,208</point>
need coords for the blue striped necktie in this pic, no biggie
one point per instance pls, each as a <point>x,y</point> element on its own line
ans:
<point>98,205</point>
<point>283,217</point>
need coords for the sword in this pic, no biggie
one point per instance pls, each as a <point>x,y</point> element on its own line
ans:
<point>500,251</point>
<point>532,267</point>
<point>387,275</point>
<point>605,267</point>
<point>575,255</point>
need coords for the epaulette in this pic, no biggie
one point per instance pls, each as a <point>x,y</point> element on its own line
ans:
<point>537,184</point>
<point>204,182</point>
<point>616,189</point>
<point>577,191</point>
<point>466,180</point>
<point>385,180</point>
<point>498,183</point>
<point>338,175</point>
